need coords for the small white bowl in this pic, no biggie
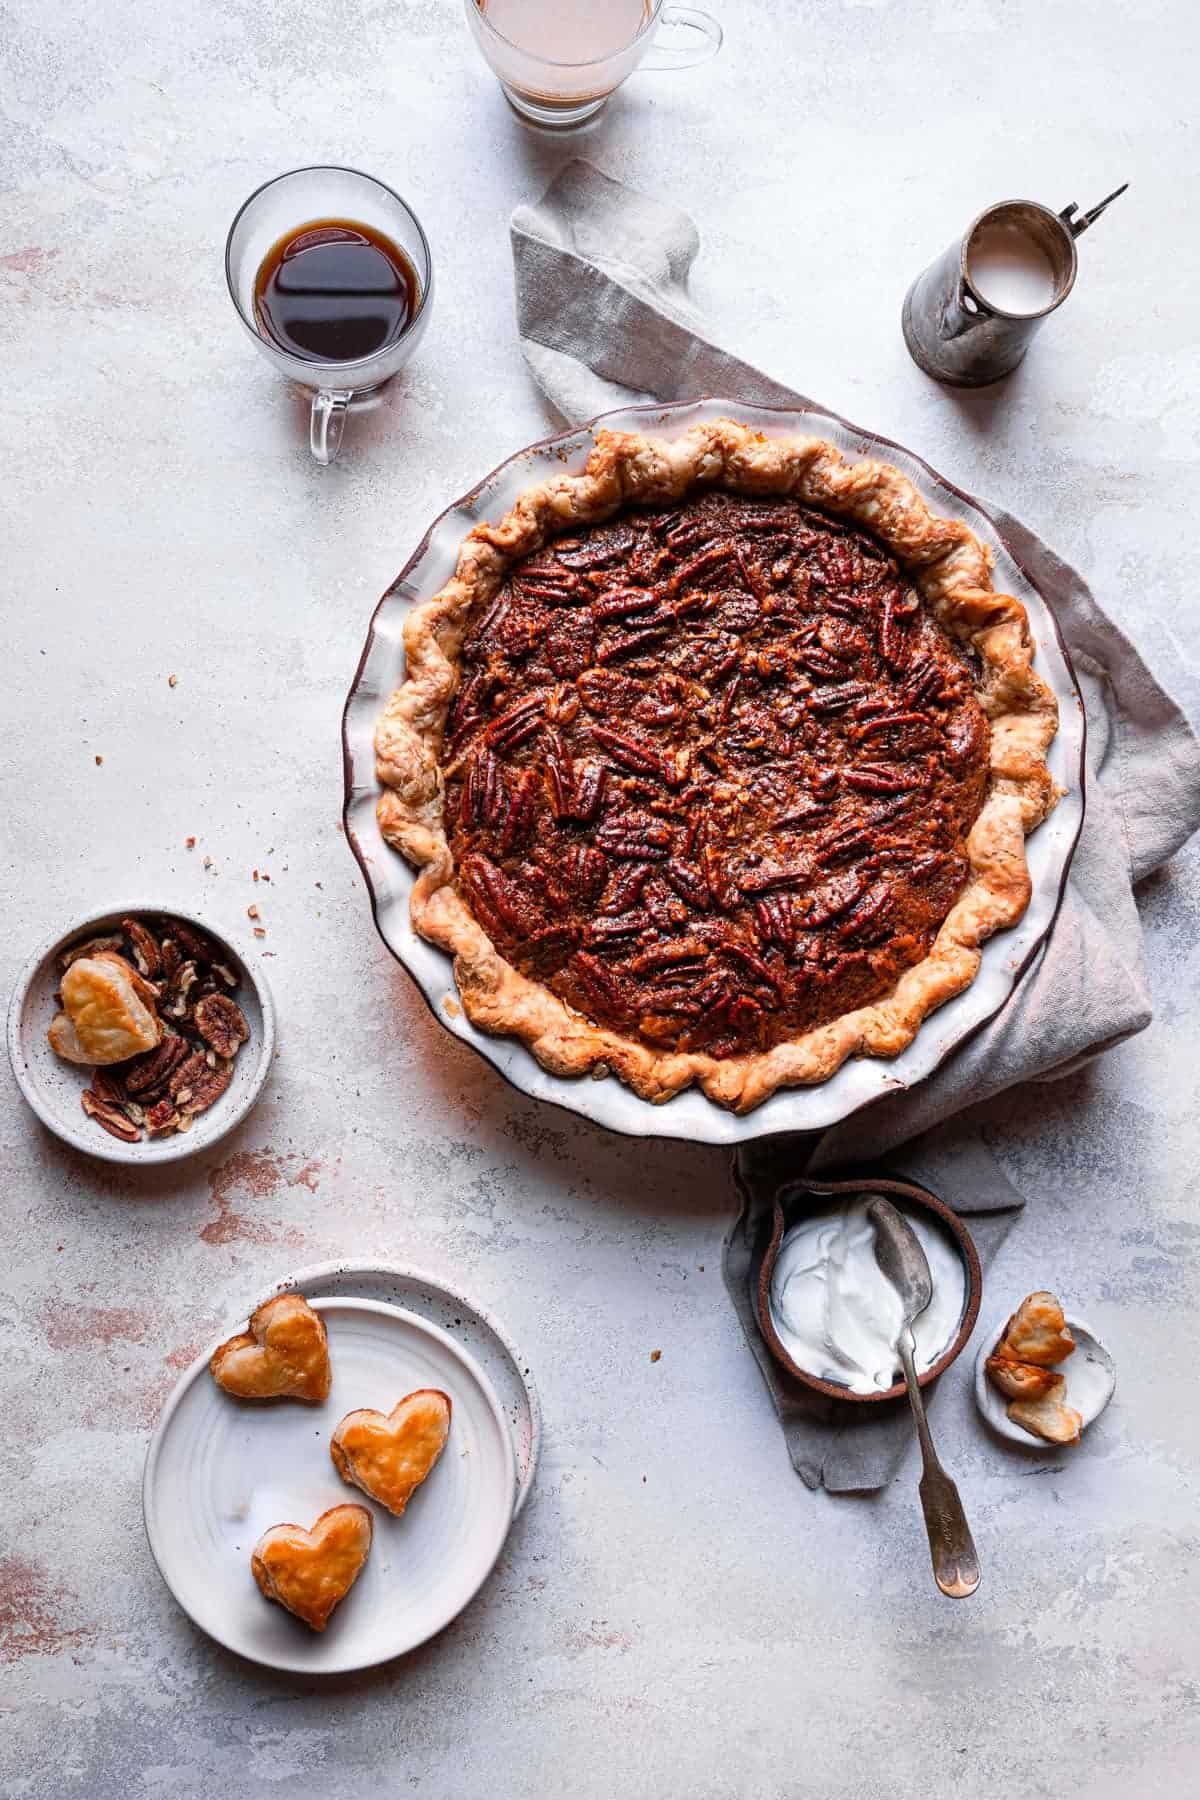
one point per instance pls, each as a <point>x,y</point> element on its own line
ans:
<point>1090,1375</point>
<point>53,1087</point>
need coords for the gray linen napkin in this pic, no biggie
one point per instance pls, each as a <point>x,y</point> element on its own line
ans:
<point>604,321</point>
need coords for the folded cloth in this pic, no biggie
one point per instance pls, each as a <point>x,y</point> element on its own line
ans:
<point>605,321</point>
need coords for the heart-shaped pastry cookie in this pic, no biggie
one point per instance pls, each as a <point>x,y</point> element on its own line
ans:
<point>309,1572</point>
<point>284,1355</point>
<point>388,1455</point>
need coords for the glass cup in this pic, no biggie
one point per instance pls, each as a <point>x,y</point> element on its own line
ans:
<point>564,93</point>
<point>285,205</point>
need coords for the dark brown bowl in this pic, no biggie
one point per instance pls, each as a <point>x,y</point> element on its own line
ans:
<point>792,1201</point>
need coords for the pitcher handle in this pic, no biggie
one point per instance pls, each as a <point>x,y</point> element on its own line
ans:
<point>698,38</point>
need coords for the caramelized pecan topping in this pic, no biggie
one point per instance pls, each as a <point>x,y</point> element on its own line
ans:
<point>709,772</point>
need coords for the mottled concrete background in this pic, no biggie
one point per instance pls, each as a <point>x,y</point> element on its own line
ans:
<point>675,1615</point>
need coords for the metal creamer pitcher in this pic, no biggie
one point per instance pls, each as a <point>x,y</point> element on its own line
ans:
<point>957,335</point>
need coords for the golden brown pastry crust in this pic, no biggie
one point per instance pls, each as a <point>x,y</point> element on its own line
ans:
<point>388,1455</point>
<point>1018,1380</point>
<point>309,1572</point>
<point>1048,1417</point>
<point>283,1356</point>
<point>1037,1332</point>
<point>109,1012</point>
<point>950,569</point>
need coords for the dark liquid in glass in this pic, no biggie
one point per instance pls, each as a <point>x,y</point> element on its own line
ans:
<point>334,290</point>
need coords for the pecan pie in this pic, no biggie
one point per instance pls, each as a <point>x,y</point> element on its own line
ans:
<point>717,762</point>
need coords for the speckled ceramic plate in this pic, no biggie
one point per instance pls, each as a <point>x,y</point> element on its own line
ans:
<point>691,1115</point>
<point>219,1473</point>
<point>1090,1373</point>
<point>53,1087</point>
<point>477,1328</point>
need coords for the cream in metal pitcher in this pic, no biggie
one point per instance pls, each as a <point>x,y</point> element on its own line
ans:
<point>971,316</point>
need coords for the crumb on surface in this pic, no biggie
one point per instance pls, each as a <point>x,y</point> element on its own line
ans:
<point>189,843</point>
<point>172,681</point>
<point>655,1355</point>
<point>99,760</point>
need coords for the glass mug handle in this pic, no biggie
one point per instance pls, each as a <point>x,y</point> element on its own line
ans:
<point>697,37</point>
<point>328,422</point>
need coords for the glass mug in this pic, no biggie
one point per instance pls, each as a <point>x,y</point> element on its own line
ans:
<point>559,62</point>
<point>280,209</point>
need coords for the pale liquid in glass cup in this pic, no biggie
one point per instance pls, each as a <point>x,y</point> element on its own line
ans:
<point>588,31</point>
<point>559,60</point>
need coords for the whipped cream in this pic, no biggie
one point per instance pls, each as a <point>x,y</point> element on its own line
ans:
<point>836,1313</point>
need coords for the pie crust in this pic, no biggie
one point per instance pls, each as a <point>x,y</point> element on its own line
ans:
<point>949,569</point>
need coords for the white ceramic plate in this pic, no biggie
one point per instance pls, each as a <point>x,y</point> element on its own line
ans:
<point>53,1087</point>
<point>475,1327</point>
<point>691,1115</point>
<point>1090,1375</point>
<point>219,1473</point>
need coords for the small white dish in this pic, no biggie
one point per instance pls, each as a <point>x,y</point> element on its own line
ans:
<point>475,1327</point>
<point>53,1087</point>
<point>1090,1375</point>
<point>219,1472</point>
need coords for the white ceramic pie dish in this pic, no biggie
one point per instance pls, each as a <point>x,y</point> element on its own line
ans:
<point>220,1472</point>
<point>690,1115</point>
<point>1090,1374</point>
<point>53,1087</point>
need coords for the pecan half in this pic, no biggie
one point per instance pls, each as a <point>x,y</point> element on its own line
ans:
<point>688,881</point>
<point>110,1117</point>
<point>146,952</point>
<point>195,1086</point>
<point>633,837</point>
<point>192,941</point>
<point>591,780</point>
<point>521,810</point>
<point>146,1073</point>
<point>178,988</point>
<point>620,603</point>
<point>221,1023</point>
<point>502,903</point>
<point>520,722</point>
<point>773,919</point>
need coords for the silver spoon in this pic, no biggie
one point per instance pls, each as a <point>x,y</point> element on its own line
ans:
<point>902,1260</point>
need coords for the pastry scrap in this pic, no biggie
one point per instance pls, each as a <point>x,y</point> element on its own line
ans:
<point>717,762</point>
<point>105,1019</point>
<point>389,1455</point>
<point>1048,1417</point>
<point>1037,1332</point>
<point>309,1572</point>
<point>1019,1381</point>
<point>1022,1368</point>
<point>151,1007</point>
<point>283,1356</point>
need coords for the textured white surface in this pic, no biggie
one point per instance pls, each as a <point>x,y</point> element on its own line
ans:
<point>711,1630</point>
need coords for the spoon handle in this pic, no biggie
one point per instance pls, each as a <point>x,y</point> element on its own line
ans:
<point>951,1546</point>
